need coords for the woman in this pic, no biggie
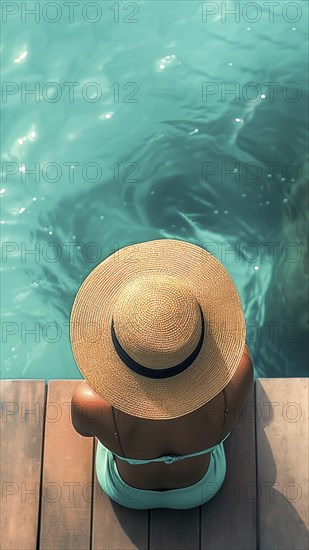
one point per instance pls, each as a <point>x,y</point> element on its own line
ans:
<point>157,330</point>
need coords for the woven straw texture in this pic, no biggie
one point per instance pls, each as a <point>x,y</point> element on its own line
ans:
<point>153,291</point>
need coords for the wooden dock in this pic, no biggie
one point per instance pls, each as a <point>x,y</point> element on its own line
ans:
<point>51,500</point>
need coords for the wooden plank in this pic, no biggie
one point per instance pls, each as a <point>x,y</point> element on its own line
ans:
<point>22,415</point>
<point>67,475</point>
<point>228,520</point>
<point>179,529</point>
<point>116,527</point>
<point>282,463</point>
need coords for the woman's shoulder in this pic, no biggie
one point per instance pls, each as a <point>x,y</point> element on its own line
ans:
<point>87,408</point>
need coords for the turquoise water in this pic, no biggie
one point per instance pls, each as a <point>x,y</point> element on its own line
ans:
<point>132,135</point>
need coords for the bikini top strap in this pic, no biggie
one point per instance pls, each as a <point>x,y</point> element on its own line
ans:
<point>226,411</point>
<point>116,434</point>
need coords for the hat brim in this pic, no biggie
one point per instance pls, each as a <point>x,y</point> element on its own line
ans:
<point>223,345</point>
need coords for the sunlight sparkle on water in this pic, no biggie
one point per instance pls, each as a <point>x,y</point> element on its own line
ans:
<point>22,56</point>
<point>31,136</point>
<point>106,116</point>
<point>256,268</point>
<point>167,60</point>
<point>2,191</point>
<point>21,210</point>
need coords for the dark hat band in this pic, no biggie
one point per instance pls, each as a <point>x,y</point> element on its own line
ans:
<point>157,373</point>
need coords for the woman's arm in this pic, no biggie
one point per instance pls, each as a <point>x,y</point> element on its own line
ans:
<point>238,390</point>
<point>78,414</point>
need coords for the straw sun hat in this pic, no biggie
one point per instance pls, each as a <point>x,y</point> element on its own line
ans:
<point>157,328</point>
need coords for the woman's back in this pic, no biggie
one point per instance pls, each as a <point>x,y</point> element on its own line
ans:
<point>146,439</point>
